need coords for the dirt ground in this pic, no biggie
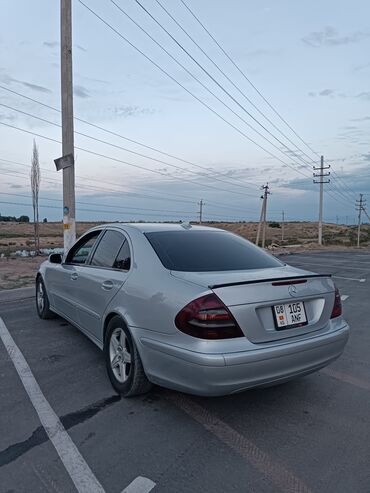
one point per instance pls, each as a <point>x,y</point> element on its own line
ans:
<point>16,272</point>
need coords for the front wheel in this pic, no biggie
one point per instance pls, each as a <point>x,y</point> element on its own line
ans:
<point>42,300</point>
<point>122,359</point>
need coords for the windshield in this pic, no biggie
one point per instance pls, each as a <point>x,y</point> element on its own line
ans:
<point>206,251</point>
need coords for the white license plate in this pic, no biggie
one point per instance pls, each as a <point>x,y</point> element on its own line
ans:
<point>290,315</point>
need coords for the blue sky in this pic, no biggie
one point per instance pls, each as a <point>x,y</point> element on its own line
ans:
<point>310,59</point>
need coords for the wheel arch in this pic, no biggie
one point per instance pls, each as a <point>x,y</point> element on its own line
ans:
<point>108,318</point>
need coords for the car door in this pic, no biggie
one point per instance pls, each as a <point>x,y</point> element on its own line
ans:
<point>100,280</point>
<point>61,279</point>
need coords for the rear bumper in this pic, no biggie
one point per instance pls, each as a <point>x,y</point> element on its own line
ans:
<point>212,374</point>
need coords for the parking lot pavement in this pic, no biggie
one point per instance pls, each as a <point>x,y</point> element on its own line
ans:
<point>310,435</point>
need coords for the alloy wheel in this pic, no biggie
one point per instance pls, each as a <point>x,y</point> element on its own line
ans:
<point>40,297</point>
<point>119,355</point>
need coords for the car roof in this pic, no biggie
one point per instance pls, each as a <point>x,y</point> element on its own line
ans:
<point>156,227</point>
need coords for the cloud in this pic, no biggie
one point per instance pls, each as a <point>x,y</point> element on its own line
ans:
<point>366,157</point>
<point>14,185</point>
<point>50,44</point>
<point>54,44</point>
<point>365,96</point>
<point>330,37</point>
<point>323,93</point>
<point>9,118</point>
<point>326,92</point>
<point>81,48</point>
<point>8,79</point>
<point>261,52</point>
<point>34,87</point>
<point>126,111</point>
<point>81,92</point>
<point>361,67</point>
<point>362,119</point>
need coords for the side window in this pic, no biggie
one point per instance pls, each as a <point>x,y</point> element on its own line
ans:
<point>81,250</point>
<point>123,260</point>
<point>107,250</point>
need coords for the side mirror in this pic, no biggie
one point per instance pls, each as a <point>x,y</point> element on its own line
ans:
<point>55,258</point>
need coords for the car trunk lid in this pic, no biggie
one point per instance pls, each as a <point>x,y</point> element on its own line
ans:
<point>252,295</point>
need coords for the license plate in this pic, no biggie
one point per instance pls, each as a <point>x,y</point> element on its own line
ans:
<point>290,315</point>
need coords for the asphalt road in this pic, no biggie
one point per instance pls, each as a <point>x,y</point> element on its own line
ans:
<point>310,435</point>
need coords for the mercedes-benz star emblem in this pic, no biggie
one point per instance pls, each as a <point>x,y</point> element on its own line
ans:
<point>292,290</point>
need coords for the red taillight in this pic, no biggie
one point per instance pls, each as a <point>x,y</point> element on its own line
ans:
<point>207,318</point>
<point>337,308</point>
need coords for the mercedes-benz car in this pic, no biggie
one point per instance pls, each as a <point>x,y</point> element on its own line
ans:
<point>192,308</point>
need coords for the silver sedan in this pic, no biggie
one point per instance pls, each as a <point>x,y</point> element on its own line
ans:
<point>192,308</point>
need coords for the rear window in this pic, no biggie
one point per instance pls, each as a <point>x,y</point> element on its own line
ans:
<point>206,251</point>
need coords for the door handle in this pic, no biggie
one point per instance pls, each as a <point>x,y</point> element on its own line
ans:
<point>107,285</point>
<point>74,276</point>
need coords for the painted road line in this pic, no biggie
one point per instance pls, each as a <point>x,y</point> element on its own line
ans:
<point>139,485</point>
<point>338,266</point>
<point>349,278</point>
<point>344,297</point>
<point>335,259</point>
<point>76,466</point>
<point>275,472</point>
<point>357,382</point>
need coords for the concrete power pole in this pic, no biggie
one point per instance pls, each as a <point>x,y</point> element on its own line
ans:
<point>360,206</point>
<point>201,204</point>
<point>69,208</point>
<point>321,175</point>
<point>262,222</point>
<point>282,225</point>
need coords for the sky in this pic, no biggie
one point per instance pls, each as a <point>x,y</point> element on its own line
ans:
<point>177,124</point>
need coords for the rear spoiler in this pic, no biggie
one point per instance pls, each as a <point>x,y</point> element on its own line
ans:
<point>275,279</point>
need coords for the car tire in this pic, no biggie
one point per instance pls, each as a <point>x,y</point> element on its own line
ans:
<point>42,300</point>
<point>123,362</point>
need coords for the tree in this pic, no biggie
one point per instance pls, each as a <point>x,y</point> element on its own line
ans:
<point>45,220</point>
<point>35,187</point>
<point>24,219</point>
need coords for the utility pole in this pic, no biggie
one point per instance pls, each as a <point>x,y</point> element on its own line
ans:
<point>201,204</point>
<point>321,175</point>
<point>360,206</point>
<point>262,222</point>
<point>69,208</point>
<point>282,225</point>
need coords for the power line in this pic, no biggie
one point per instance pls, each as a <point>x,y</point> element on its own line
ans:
<point>181,85</point>
<point>229,79</point>
<point>129,150</point>
<point>187,90</point>
<point>203,185</point>
<point>102,189</point>
<point>220,86</point>
<point>124,149</point>
<point>134,194</point>
<point>48,206</point>
<point>124,137</point>
<point>247,79</point>
<point>94,204</point>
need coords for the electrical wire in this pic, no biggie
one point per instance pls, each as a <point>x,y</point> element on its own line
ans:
<point>202,185</point>
<point>247,78</point>
<point>115,134</point>
<point>185,89</point>
<point>220,86</point>
<point>230,80</point>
